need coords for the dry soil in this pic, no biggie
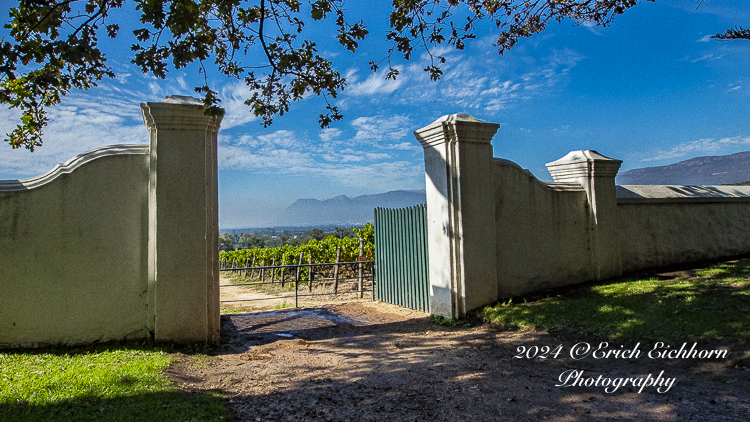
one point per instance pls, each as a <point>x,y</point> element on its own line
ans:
<point>368,361</point>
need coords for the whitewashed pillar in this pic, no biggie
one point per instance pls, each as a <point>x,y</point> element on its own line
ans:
<point>183,221</point>
<point>460,213</point>
<point>596,173</point>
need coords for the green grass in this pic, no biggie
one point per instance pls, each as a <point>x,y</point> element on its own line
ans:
<point>714,304</point>
<point>270,289</point>
<point>96,384</point>
<point>233,309</point>
<point>283,305</point>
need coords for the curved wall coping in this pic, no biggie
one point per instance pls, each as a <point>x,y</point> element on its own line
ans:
<point>556,186</point>
<point>639,194</point>
<point>72,164</point>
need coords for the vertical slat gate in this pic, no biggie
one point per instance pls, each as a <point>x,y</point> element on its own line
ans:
<point>401,257</point>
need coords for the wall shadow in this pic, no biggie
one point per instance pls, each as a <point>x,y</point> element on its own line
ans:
<point>416,370</point>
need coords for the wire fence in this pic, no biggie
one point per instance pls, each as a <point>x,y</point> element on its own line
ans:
<point>318,279</point>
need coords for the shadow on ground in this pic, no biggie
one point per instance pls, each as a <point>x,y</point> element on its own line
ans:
<point>359,362</point>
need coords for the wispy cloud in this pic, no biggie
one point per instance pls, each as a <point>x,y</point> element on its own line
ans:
<point>233,98</point>
<point>591,26</point>
<point>383,176</point>
<point>381,129</point>
<point>329,134</point>
<point>406,146</point>
<point>375,156</point>
<point>705,57</point>
<point>110,114</point>
<point>79,124</point>
<point>374,84</point>
<point>700,146</point>
<point>471,82</point>
<point>240,157</point>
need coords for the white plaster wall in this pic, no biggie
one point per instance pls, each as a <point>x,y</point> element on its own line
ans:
<point>74,250</point>
<point>660,233</point>
<point>542,232</point>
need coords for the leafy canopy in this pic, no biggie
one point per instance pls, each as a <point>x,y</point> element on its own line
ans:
<point>737,33</point>
<point>54,45</point>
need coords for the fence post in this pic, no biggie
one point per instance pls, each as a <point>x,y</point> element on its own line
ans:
<point>282,271</point>
<point>460,213</point>
<point>183,292</point>
<point>299,267</point>
<point>273,270</point>
<point>309,273</point>
<point>336,271</point>
<point>360,266</point>
<point>296,280</point>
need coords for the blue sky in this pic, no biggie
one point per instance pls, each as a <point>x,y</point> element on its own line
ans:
<point>651,89</point>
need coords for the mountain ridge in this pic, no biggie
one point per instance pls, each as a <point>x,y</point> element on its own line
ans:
<point>706,170</point>
<point>343,210</point>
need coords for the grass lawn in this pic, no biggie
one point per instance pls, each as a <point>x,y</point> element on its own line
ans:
<point>98,384</point>
<point>710,304</point>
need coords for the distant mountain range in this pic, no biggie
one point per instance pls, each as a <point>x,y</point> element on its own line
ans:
<point>714,170</point>
<point>346,211</point>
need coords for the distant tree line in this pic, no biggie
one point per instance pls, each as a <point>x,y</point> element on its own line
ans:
<point>272,238</point>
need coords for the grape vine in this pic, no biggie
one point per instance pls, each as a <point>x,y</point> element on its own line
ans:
<point>321,251</point>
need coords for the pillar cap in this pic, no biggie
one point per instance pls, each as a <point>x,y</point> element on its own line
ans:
<point>180,112</point>
<point>583,163</point>
<point>457,117</point>
<point>458,127</point>
<point>181,99</point>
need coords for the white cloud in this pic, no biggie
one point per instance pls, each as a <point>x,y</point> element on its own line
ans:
<point>701,146</point>
<point>474,82</point>
<point>377,156</point>
<point>374,157</point>
<point>406,146</point>
<point>382,177</point>
<point>110,114</point>
<point>280,138</point>
<point>76,126</point>
<point>181,83</point>
<point>591,26</point>
<point>155,88</point>
<point>375,84</point>
<point>233,98</point>
<point>706,57</point>
<point>239,157</point>
<point>329,134</point>
<point>381,129</point>
<point>122,78</point>
<point>343,158</point>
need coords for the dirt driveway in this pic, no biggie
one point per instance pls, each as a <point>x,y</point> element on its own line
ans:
<point>369,361</point>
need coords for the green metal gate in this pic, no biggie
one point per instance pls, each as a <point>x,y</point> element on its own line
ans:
<point>401,257</point>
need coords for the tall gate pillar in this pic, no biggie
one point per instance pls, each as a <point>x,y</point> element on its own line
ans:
<point>460,213</point>
<point>183,267</point>
<point>596,173</point>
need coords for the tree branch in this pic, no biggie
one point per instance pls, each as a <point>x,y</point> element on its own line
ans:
<point>261,36</point>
